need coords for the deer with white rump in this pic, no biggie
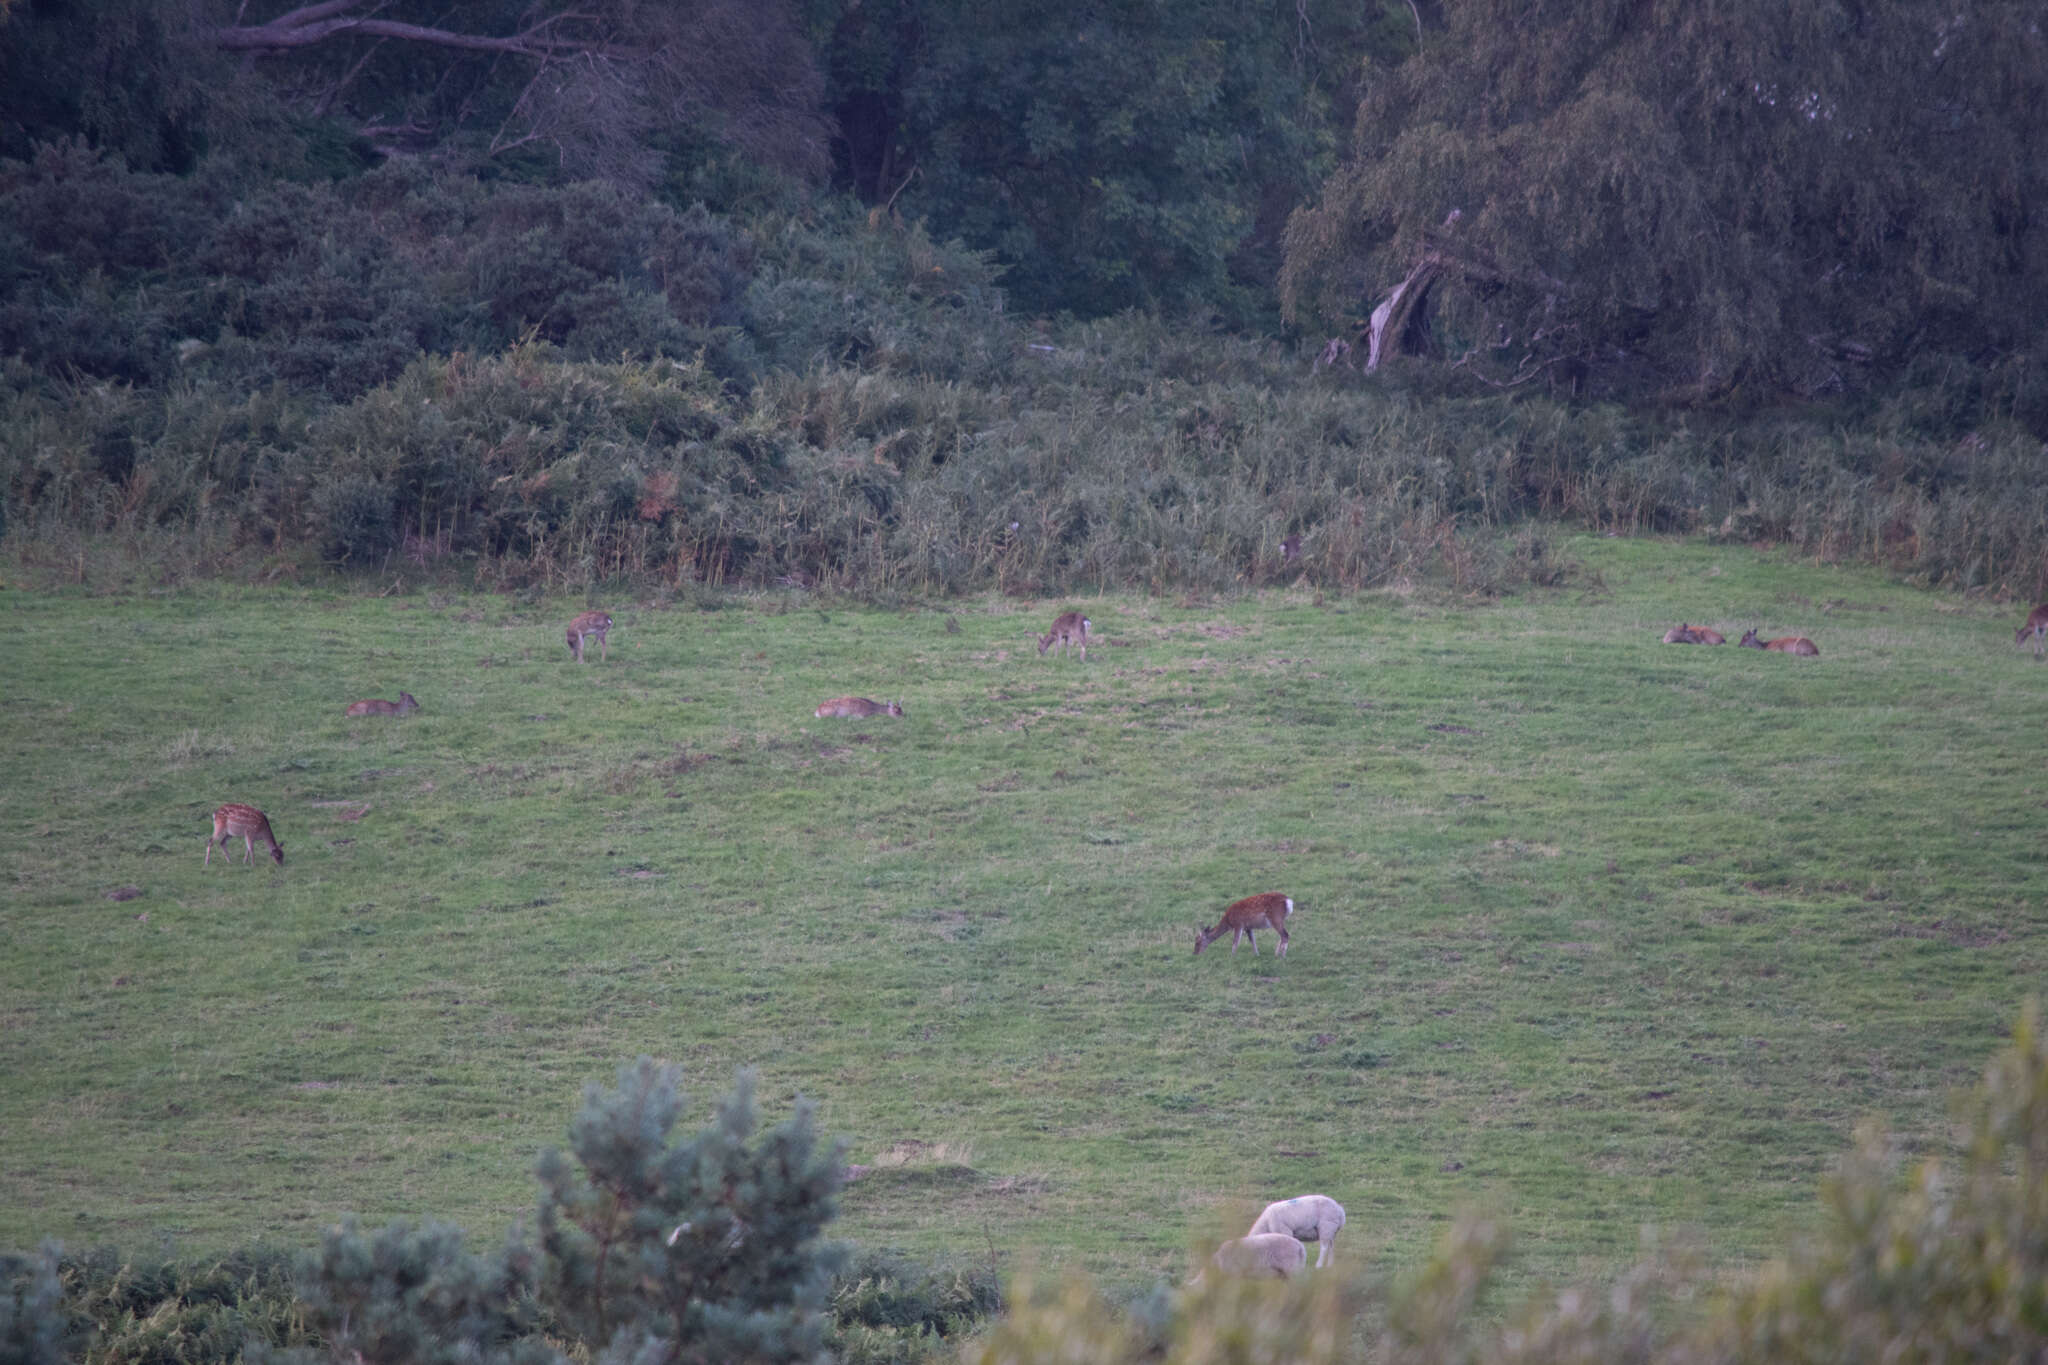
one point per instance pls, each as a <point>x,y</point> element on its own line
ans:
<point>1069,628</point>
<point>1243,920</point>
<point>590,625</point>
<point>1306,1218</point>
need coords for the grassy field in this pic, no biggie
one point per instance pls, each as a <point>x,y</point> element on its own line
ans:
<point>1594,931</point>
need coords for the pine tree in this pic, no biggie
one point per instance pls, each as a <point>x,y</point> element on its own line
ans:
<point>702,1250</point>
<point>650,1250</point>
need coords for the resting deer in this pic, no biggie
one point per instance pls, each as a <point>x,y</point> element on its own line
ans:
<point>405,703</point>
<point>1784,644</point>
<point>1069,628</point>
<point>1688,634</point>
<point>856,706</point>
<point>2036,626</point>
<point>1267,910</point>
<point>590,623</point>
<point>235,818</point>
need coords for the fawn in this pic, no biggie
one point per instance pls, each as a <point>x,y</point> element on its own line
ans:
<point>235,818</point>
<point>406,703</point>
<point>1784,644</point>
<point>856,706</point>
<point>1069,628</point>
<point>1267,910</point>
<point>590,623</point>
<point>2036,626</point>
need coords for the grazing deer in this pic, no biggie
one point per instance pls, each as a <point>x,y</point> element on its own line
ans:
<point>406,703</point>
<point>589,624</point>
<point>1784,644</point>
<point>235,818</point>
<point>1069,628</point>
<point>1267,910</point>
<point>856,706</point>
<point>2036,626</point>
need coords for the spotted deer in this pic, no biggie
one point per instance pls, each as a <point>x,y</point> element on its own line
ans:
<point>1267,910</point>
<point>591,624</point>
<point>374,707</point>
<point>1069,628</point>
<point>856,706</point>
<point>246,821</point>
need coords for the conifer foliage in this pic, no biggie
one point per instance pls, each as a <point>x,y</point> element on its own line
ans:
<point>650,1249</point>
<point>702,1250</point>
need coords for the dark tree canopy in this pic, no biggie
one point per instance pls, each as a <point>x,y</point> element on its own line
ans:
<point>1686,197</point>
<point>583,91</point>
<point>1125,153</point>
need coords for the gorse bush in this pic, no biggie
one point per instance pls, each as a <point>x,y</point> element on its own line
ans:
<point>414,373</point>
<point>529,467</point>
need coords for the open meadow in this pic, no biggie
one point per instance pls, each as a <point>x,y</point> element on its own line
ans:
<point>1591,930</point>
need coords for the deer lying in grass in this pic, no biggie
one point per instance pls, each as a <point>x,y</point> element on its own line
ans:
<point>1686,634</point>
<point>1267,910</point>
<point>856,706</point>
<point>1306,1218</point>
<point>1068,628</point>
<point>590,623</point>
<point>1784,644</point>
<point>251,824</point>
<point>1259,1255</point>
<point>2036,626</point>
<point>374,707</point>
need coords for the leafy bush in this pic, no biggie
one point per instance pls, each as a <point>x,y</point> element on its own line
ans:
<point>357,514</point>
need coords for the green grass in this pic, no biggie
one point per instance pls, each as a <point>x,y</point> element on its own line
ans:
<point>1592,930</point>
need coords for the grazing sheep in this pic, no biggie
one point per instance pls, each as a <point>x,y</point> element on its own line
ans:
<point>1309,1218</point>
<point>1261,1254</point>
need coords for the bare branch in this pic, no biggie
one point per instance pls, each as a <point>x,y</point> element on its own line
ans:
<point>313,24</point>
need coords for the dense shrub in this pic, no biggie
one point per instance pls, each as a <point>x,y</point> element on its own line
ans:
<point>413,372</point>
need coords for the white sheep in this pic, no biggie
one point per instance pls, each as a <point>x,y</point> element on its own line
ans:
<point>1261,1254</point>
<point>1309,1218</point>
